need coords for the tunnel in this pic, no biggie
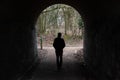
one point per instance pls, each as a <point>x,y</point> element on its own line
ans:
<point>101,40</point>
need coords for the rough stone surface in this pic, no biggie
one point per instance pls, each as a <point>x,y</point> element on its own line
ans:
<point>101,40</point>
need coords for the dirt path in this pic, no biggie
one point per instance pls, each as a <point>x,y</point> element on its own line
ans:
<point>47,69</point>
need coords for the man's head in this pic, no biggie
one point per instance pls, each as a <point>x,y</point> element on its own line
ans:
<point>59,35</point>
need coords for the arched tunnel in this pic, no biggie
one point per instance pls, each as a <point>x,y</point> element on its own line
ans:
<point>101,39</point>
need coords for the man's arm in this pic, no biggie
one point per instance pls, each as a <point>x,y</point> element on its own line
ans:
<point>54,43</point>
<point>63,43</point>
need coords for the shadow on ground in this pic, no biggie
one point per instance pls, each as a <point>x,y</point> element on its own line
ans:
<point>73,68</point>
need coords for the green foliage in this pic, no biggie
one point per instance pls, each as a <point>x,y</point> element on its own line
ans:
<point>67,37</point>
<point>80,23</point>
<point>60,18</point>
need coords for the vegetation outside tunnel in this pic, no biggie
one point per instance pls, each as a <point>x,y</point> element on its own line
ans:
<point>60,18</point>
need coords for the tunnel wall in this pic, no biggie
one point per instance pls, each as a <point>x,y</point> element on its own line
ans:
<point>19,51</point>
<point>102,47</point>
<point>101,40</point>
<point>18,40</point>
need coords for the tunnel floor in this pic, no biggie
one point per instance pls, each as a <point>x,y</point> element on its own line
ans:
<point>47,69</point>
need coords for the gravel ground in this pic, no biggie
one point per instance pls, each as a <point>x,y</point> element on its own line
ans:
<point>72,68</point>
<point>47,69</point>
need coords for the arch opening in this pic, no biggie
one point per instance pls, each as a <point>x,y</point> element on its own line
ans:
<point>67,20</point>
<point>60,18</point>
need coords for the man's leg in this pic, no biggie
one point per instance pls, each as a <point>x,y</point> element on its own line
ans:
<point>57,60</point>
<point>61,59</point>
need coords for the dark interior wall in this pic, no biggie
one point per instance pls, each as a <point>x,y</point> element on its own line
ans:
<point>102,35</point>
<point>102,38</point>
<point>18,49</point>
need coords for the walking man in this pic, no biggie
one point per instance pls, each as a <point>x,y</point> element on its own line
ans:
<point>59,44</point>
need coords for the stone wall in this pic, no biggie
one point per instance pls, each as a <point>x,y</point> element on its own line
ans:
<point>102,35</point>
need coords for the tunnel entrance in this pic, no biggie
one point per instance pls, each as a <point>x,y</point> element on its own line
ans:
<point>61,18</point>
<point>101,42</point>
<point>65,19</point>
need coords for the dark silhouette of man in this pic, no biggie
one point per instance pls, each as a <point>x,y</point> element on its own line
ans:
<point>59,44</point>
